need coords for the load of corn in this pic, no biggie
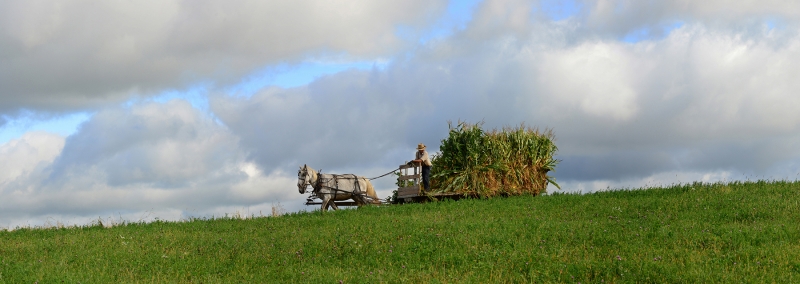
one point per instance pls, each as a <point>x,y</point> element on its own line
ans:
<point>511,161</point>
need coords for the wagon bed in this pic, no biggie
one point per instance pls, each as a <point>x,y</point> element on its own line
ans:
<point>414,192</point>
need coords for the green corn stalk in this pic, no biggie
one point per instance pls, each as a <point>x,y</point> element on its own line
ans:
<point>510,161</point>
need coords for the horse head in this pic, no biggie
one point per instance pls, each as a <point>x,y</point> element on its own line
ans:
<point>303,179</point>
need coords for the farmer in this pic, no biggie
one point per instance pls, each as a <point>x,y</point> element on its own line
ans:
<point>425,161</point>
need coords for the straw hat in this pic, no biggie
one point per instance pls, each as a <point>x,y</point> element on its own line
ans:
<point>421,146</point>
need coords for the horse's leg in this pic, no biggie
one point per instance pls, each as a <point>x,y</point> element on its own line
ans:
<point>333,205</point>
<point>325,201</point>
<point>359,200</point>
<point>358,194</point>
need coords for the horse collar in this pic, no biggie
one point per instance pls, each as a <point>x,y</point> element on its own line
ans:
<point>317,185</point>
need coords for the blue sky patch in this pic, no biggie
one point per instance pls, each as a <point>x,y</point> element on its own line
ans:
<point>196,95</point>
<point>559,10</point>
<point>637,35</point>
<point>773,23</point>
<point>647,33</point>
<point>290,76</point>
<point>64,125</point>
<point>456,18</point>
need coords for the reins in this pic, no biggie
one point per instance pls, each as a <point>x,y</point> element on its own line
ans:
<point>386,174</point>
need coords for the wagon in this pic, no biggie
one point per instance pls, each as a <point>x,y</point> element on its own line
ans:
<point>413,192</point>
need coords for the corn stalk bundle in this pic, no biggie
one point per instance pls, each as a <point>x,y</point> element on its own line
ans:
<point>512,161</point>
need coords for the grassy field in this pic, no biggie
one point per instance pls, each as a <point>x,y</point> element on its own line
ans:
<point>735,232</point>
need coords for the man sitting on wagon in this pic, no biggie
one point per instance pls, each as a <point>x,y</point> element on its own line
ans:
<point>425,161</point>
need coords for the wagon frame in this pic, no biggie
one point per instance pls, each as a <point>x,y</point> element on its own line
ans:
<point>414,193</point>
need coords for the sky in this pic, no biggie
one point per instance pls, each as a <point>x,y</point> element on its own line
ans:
<point>137,110</point>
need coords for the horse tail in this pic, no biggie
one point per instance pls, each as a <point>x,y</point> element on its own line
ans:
<point>371,192</point>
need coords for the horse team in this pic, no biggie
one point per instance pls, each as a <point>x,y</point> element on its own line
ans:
<point>331,188</point>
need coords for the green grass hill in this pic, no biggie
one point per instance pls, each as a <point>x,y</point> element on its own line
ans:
<point>722,232</point>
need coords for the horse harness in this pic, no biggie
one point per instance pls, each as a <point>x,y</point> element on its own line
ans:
<point>356,190</point>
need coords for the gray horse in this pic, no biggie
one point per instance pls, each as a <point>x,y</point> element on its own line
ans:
<point>331,188</point>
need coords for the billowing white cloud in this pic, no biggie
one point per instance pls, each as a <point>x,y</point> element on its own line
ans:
<point>19,158</point>
<point>710,98</point>
<point>342,120</point>
<point>147,156</point>
<point>619,110</point>
<point>79,54</point>
<point>596,77</point>
<point>170,143</point>
<point>620,17</point>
